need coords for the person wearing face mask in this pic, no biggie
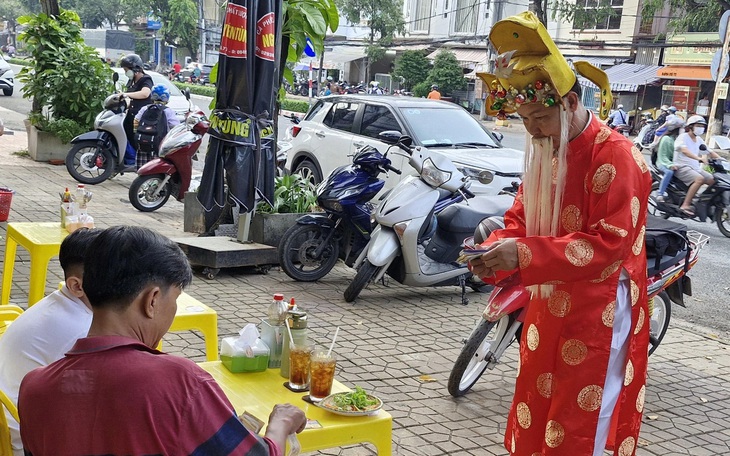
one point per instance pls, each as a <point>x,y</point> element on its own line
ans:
<point>139,88</point>
<point>687,156</point>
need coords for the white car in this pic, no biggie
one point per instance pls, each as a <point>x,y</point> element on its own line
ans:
<point>336,126</point>
<point>7,77</point>
<point>177,103</point>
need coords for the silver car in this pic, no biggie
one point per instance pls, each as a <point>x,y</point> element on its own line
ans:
<point>7,77</point>
<point>336,126</point>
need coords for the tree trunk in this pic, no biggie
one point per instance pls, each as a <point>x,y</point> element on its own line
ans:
<point>50,7</point>
<point>539,7</point>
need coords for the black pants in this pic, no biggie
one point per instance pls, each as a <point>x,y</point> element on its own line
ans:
<point>129,130</point>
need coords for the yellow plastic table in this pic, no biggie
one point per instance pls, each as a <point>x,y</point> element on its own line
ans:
<point>43,241</point>
<point>193,314</point>
<point>258,392</point>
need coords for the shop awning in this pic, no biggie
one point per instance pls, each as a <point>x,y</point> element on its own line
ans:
<point>689,73</point>
<point>333,59</point>
<point>628,77</point>
<point>466,57</point>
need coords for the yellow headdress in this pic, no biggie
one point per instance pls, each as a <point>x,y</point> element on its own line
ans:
<point>531,69</point>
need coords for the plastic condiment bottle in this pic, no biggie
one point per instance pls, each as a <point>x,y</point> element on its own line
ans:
<point>81,198</point>
<point>297,321</point>
<point>273,331</point>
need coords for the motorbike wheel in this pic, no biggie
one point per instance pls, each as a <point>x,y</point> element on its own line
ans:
<point>296,253</point>
<point>660,313</point>
<point>477,354</point>
<point>140,192</point>
<point>364,275</point>
<point>722,217</point>
<point>90,164</point>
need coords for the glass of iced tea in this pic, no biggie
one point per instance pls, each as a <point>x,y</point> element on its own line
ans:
<point>322,375</point>
<point>299,361</point>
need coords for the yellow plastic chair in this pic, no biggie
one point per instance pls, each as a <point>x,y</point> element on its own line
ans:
<point>194,315</point>
<point>8,313</point>
<point>5,448</point>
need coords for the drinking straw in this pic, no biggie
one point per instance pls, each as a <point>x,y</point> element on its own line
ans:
<point>288,330</point>
<point>333,341</point>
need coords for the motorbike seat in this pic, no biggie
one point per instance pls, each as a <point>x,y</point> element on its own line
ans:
<point>464,217</point>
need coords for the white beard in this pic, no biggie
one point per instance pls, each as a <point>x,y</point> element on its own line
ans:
<point>542,189</point>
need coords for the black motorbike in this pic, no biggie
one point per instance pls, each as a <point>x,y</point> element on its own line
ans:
<point>310,249</point>
<point>712,204</point>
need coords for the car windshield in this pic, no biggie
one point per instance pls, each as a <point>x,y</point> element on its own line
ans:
<point>444,127</point>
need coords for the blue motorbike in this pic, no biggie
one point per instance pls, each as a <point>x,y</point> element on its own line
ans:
<point>310,249</point>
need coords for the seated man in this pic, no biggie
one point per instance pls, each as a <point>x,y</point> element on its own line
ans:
<point>46,331</point>
<point>114,393</point>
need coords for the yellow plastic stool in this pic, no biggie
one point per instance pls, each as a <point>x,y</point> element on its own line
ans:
<point>8,313</point>
<point>194,315</point>
<point>5,447</point>
<point>43,241</point>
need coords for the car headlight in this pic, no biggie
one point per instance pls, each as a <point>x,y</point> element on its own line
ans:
<point>432,175</point>
<point>484,176</point>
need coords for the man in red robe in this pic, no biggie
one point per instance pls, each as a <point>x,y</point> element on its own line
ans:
<point>575,237</point>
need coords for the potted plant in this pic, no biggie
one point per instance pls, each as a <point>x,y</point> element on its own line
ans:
<point>293,195</point>
<point>66,80</point>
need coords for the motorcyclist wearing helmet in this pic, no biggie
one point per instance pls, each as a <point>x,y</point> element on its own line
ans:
<point>434,94</point>
<point>665,155</point>
<point>160,96</point>
<point>139,88</point>
<point>687,156</point>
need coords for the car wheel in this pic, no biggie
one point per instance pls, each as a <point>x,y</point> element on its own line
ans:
<point>309,170</point>
<point>8,92</point>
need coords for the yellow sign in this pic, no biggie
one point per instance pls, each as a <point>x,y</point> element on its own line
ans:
<point>722,90</point>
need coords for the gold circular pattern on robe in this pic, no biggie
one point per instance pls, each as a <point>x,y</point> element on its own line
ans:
<point>571,219</point>
<point>639,242</point>
<point>627,447</point>
<point>603,177</point>
<point>613,229</point>
<point>559,303</point>
<point>524,255</point>
<point>513,445</point>
<point>610,270</point>
<point>519,364</point>
<point>554,282</point>
<point>635,206</point>
<point>629,376</point>
<point>574,352</point>
<point>640,323</point>
<point>639,159</point>
<point>634,293</point>
<point>524,418</point>
<point>554,434</point>
<point>640,399</point>
<point>533,337</point>
<point>545,385</point>
<point>579,252</point>
<point>608,314</point>
<point>602,135</point>
<point>589,398</point>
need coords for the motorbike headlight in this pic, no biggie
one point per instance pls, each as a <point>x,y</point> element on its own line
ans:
<point>333,205</point>
<point>432,175</point>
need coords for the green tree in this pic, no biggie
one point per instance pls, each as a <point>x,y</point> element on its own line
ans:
<point>413,67</point>
<point>688,15</point>
<point>383,17</point>
<point>181,26</point>
<point>447,72</point>
<point>97,13</point>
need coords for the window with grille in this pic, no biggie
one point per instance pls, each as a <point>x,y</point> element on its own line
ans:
<point>598,15</point>
<point>421,15</point>
<point>465,19</point>
<point>646,25</point>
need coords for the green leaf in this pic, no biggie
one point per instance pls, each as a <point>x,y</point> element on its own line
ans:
<point>315,19</point>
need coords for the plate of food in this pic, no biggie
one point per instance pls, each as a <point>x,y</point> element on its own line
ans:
<point>353,403</point>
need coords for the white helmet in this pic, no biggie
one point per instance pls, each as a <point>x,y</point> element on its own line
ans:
<point>696,120</point>
<point>620,106</point>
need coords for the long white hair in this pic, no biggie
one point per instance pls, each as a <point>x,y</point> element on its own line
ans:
<point>542,187</point>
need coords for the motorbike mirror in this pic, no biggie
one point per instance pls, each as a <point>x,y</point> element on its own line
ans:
<point>498,135</point>
<point>390,136</point>
<point>405,140</point>
<point>115,76</point>
<point>187,94</point>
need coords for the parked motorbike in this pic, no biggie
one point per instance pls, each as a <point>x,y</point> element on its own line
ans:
<point>420,229</point>
<point>502,319</point>
<point>97,155</point>
<point>170,173</point>
<point>622,128</point>
<point>309,250</point>
<point>712,204</point>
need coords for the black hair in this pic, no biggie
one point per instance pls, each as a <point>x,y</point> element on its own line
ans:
<point>577,89</point>
<point>124,260</point>
<point>73,248</point>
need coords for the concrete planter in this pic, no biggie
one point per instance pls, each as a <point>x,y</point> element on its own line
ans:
<point>44,146</point>
<point>270,228</point>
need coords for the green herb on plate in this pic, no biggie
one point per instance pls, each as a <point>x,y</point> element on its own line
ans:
<point>357,400</point>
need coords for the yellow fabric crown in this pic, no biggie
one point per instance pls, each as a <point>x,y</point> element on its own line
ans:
<point>531,69</point>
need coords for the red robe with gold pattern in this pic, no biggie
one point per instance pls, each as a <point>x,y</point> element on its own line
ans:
<point>566,339</point>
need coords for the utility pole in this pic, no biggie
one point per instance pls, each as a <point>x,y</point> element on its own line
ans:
<point>201,21</point>
<point>716,96</point>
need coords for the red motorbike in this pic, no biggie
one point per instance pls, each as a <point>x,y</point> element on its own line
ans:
<point>671,252</point>
<point>170,173</point>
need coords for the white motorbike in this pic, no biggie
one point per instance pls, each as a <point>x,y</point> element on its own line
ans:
<point>420,230</point>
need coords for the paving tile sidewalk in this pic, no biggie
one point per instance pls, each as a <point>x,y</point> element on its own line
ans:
<point>396,341</point>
